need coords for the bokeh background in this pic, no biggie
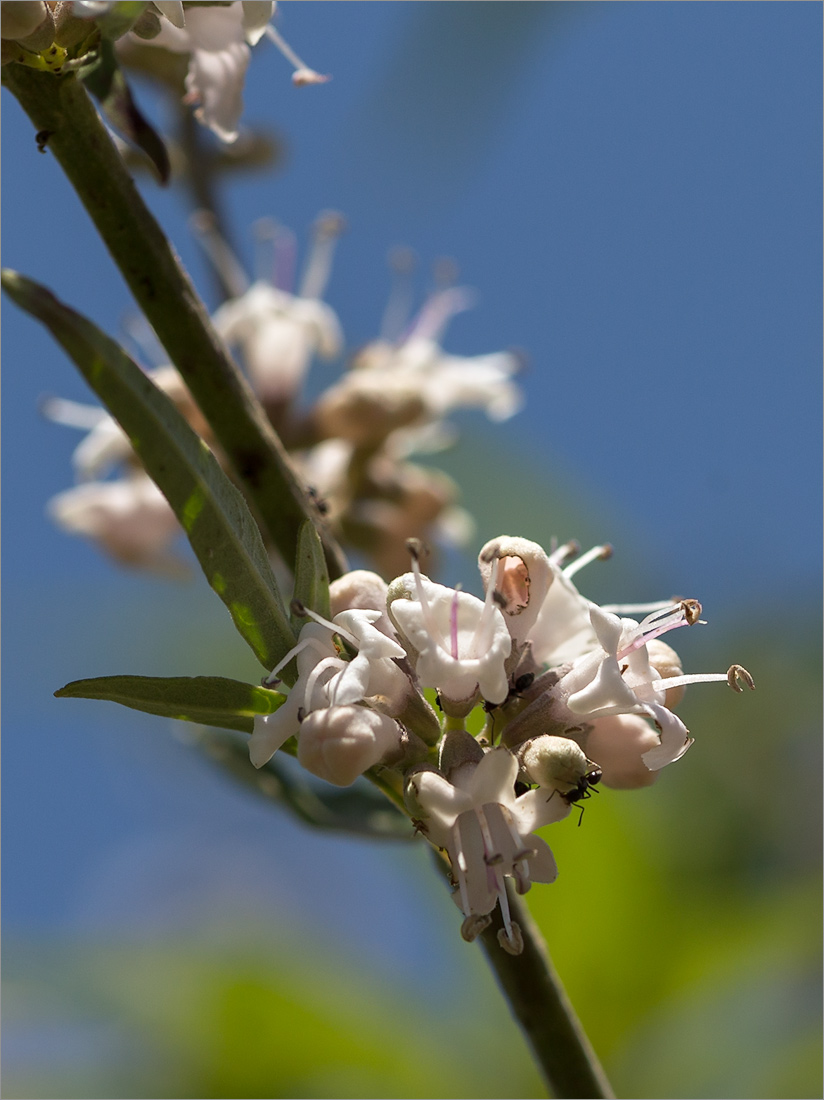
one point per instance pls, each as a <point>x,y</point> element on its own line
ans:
<point>634,192</point>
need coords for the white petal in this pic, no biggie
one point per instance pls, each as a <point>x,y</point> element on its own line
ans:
<point>172,10</point>
<point>256,14</point>
<point>493,780</point>
<point>273,730</point>
<point>216,79</point>
<point>674,735</point>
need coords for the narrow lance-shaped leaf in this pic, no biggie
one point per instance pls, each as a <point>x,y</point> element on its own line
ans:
<point>207,700</point>
<point>213,513</point>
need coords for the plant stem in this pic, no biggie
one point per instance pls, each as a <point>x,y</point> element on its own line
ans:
<point>539,1003</point>
<point>66,119</point>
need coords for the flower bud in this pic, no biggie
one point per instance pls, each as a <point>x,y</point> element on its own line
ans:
<point>31,24</point>
<point>617,742</point>
<point>340,743</point>
<point>555,763</point>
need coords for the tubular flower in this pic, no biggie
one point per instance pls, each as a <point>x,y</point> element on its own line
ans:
<point>460,643</point>
<point>618,677</point>
<point>327,680</point>
<point>488,834</point>
<point>217,38</point>
<point>279,331</point>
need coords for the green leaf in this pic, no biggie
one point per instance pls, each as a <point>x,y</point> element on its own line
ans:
<point>311,574</point>
<point>208,700</point>
<point>213,513</point>
<point>104,79</point>
<point>360,810</point>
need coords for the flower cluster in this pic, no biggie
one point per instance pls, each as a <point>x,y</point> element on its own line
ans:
<point>573,695</point>
<point>352,446</point>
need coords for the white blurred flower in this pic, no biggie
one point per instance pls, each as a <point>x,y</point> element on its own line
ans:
<point>279,331</point>
<point>130,519</point>
<point>488,833</point>
<point>217,38</point>
<point>407,388</point>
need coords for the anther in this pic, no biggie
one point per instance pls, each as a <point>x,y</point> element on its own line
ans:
<point>692,611</point>
<point>298,608</point>
<point>417,548</point>
<point>736,673</point>
<point>474,924</point>
<point>513,943</point>
<point>499,598</point>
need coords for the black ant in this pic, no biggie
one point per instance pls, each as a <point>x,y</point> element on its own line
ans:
<point>584,788</point>
<point>522,683</point>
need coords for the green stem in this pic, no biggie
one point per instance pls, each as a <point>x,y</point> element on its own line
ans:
<point>64,115</point>
<point>541,1006</point>
<point>539,1003</point>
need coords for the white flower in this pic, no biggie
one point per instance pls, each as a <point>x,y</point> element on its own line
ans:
<point>488,834</point>
<point>130,519</point>
<point>523,579</point>
<point>279,331</point>
<point>217,38</point>
<point>106,445</point>
<point>618,677</point>
<point>563,629</point>
<point>460,643</point>
<point>326,679</point>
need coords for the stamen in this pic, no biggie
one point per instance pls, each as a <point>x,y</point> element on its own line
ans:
<point>597,553</point>
<point>327,228</point>
<point>474,924</point>
<point>563,553</point>
<point>685,613</point>
<point>311,642</point>
<point>488,610</point>
<point>513,943</point>
<point>345,634</point>
<point>736,673</point>
<point>459,853</point>
<point>204,226</point>
<point>316,673</point>
<point>440,308</point>
<point>396,315</point>
<point>504,903</point>
<point>415,547</point>
<point>302,74</point>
